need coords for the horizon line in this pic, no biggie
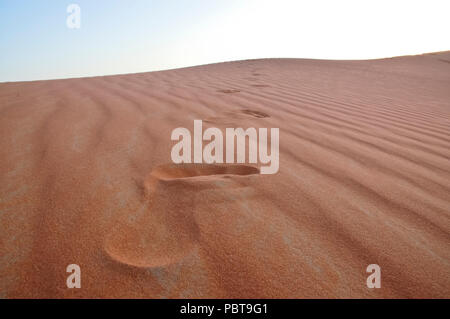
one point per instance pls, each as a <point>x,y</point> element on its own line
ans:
<point>219,62</point>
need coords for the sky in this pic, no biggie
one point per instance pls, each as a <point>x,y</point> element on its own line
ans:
<point>131,36</point>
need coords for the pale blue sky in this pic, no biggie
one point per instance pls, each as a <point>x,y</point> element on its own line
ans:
<point>128,36</point>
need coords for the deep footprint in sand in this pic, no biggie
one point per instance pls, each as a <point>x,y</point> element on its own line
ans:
<point>230,117</point>
<point>165,232</point>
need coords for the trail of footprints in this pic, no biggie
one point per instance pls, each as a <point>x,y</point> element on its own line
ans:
<point>165,232</point>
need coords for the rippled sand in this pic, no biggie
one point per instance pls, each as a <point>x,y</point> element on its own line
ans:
<point>86,178</point>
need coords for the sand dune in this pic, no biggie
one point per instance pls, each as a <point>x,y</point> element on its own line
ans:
<point>86,178</point>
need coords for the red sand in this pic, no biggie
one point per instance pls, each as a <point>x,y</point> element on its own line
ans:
<point>364,179</point>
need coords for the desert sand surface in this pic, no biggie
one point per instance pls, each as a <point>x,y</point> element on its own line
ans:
<point>86,178</point>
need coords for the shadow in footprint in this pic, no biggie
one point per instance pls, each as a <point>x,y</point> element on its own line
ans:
<point>230,91</point>
<point>254,113</point>
<point>230,118</point>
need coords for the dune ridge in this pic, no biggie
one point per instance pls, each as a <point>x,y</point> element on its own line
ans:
<point>86,177</point>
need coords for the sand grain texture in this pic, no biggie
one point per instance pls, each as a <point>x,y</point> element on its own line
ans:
<point>86,178</point>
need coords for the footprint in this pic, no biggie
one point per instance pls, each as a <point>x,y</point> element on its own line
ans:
<point>182,171</point>
<point>164,232</point>
<point>231,118</point>
<point>229,91</point>
<point>254,113</point>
